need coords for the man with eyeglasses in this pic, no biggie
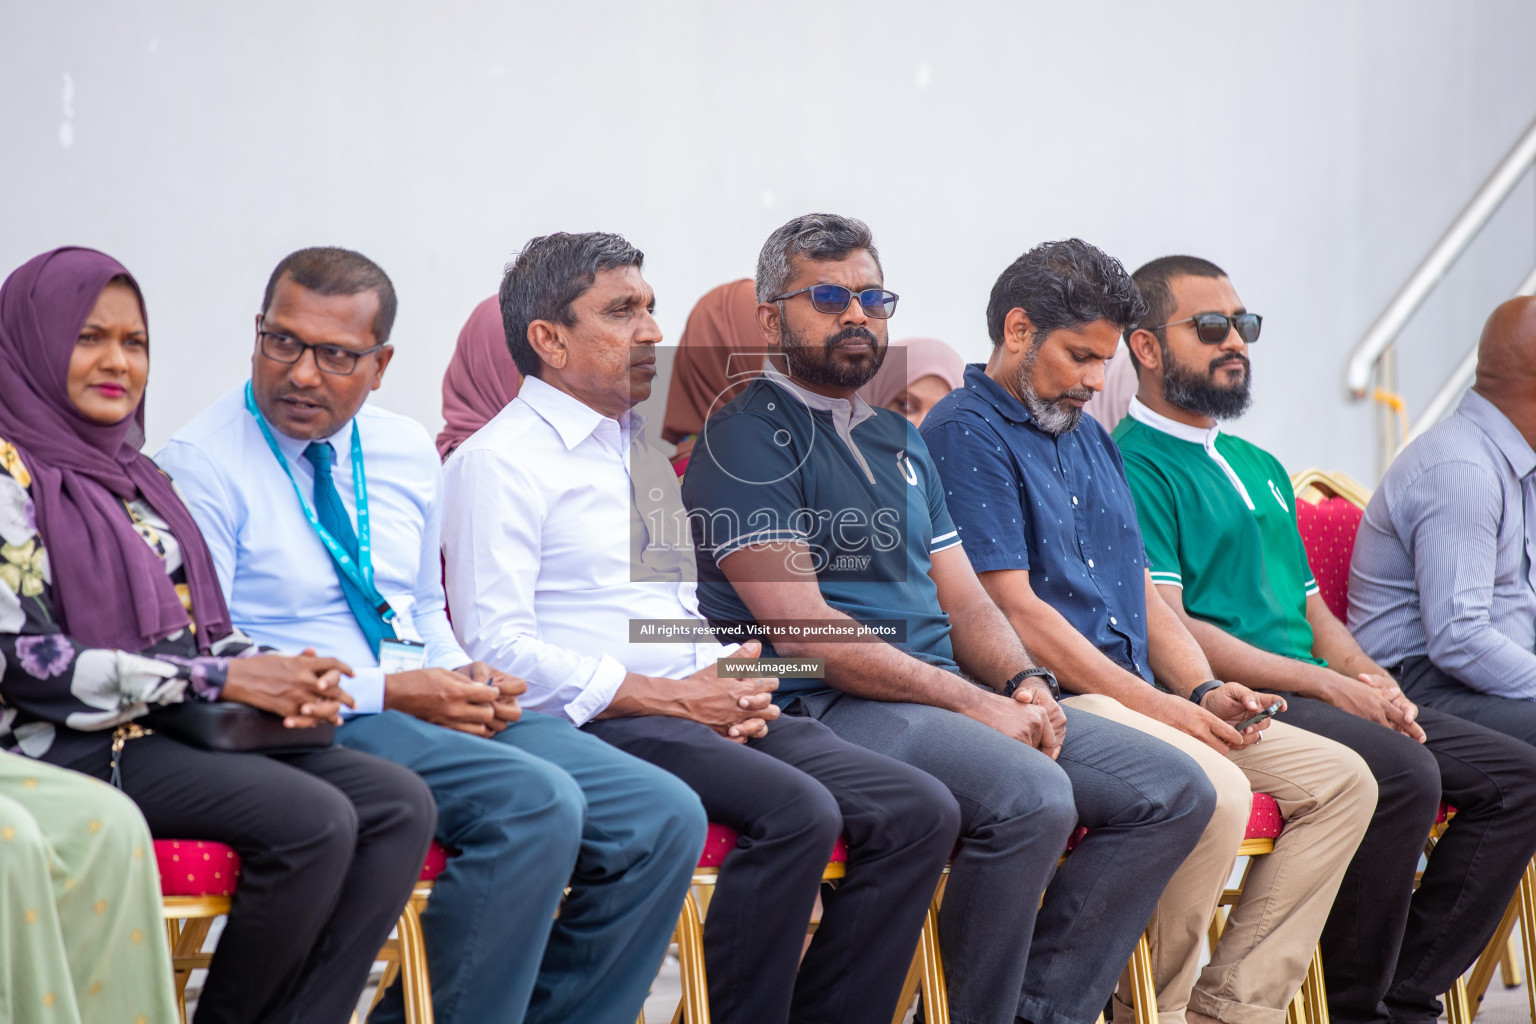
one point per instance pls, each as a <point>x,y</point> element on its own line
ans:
<point>323,515</point>
<point>1218,521</point>
<point>809,507</point>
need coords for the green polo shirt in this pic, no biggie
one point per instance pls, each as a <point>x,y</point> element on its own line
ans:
<point>1219,520</point>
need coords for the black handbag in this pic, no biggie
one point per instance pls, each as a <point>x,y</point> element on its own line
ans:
<point>234,728</point>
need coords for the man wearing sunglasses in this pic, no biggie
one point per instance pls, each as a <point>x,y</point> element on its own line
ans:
<point>813,509</point>
<point>1039,497</point>
<point>565,543</point>
<point>1218,521</point>
<point>323,513</point>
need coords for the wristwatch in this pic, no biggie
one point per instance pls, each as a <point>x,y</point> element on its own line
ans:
<point>1198,693</point>
<point>1045,674</point>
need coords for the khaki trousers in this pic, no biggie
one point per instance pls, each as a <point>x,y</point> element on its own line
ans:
<point>1326,796</point>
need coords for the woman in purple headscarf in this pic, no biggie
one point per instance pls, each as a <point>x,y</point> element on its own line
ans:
<point>110,604</point>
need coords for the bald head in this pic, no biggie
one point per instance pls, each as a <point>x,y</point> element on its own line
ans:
<point>1506,353</point>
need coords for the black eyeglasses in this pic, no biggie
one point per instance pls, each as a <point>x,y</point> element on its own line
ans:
<point>332,359</point>
<point>834,298</point>
<point>1212,328</point>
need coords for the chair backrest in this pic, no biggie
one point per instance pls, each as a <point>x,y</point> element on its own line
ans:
<point>1328,512</point>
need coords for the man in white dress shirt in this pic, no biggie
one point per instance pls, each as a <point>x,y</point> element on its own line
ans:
<point>563,531</point>
<point>323,517</point>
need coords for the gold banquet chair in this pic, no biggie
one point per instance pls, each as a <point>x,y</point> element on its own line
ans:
<point>927,970</point>
<point>1310,1004</point>
<point>1328,511</point>
<point>198,879</point>
<point>694,1006</point>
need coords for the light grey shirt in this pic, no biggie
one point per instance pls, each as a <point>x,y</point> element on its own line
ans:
<point>1442,563</point>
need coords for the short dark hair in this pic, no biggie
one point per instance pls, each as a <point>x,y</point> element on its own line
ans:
<point>814,236</point>
<point>1064,284</point>
<point>550,273</point>
<point>332,271</point>
<point>1152,280</point>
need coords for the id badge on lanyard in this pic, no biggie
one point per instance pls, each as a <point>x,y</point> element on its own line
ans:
<point>359,572</point>
<point>402,656</point>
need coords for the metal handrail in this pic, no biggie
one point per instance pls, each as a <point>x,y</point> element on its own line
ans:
<point>1445,253</point>
<point>1456,385</point>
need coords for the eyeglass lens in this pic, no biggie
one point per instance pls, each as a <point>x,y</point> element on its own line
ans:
<point>834,298</point>
<point>330,358</point>
<point>1212,328</point>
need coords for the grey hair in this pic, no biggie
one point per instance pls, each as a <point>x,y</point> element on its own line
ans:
<point>550,273</point>
<point>814,236</point>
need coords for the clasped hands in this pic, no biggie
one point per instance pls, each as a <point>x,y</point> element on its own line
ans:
<point>306,691</point>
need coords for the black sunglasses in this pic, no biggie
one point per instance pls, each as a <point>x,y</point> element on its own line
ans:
<point>1212,328</point>
<point>834,298</point>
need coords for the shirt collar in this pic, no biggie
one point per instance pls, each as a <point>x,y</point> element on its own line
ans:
<point>995,395</point>
<point>855,411</point>
<point>340,442</point>
<point>1511,444</point>
<point>1183,431</point>
<point>571,418</point>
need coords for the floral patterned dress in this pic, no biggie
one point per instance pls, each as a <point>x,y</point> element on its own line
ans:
<point>79,892</point>
<point>59,700</point>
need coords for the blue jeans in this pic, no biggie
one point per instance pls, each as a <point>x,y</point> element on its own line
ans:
<point>540,806</point>
<point>1006,955</point>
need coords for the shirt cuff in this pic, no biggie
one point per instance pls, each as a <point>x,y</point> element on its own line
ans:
<point>598,693</point>
<point>367,688</point>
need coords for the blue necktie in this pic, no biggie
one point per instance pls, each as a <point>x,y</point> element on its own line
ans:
<point>333,516</point>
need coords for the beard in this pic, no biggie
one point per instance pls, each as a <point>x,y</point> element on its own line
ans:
<point>827,372</point>
<point>1195,390</point>
<point>1055,416</point>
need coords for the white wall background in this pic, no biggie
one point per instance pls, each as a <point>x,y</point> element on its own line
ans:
<point>1314,149</point>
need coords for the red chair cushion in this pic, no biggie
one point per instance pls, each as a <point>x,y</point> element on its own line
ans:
<point>436,862</point>
<point>721,840</point>
<point>1264,820</point>
<point>1328,531</point>
<point>194,867</point>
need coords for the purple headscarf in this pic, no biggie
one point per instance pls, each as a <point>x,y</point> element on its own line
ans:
<point>111,587</point>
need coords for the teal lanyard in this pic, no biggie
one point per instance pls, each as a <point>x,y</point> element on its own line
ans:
<point>360,572</point>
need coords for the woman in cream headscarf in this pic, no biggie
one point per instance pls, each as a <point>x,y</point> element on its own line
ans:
<point>917,372</point>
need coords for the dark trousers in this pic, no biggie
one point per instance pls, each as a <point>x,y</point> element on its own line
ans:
<point>791,794</point>
<point>1429,687</point>
<point>330,842</point>
<point>1007,955</point>
<point>1390,952</point>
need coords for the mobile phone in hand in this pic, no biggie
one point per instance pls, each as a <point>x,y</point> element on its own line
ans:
<point>1269,712</point>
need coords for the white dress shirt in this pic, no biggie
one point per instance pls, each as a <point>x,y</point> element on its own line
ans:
<point>542,542</point>
<point>278,578</point>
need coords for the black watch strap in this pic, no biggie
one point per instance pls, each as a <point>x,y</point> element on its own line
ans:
<point>1045,674</point>
<point>1198,693</point>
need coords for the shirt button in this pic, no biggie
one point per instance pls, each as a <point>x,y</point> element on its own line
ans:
<point>1074,499</point>
<point>1114,621</point>
<point>1090,563</point>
